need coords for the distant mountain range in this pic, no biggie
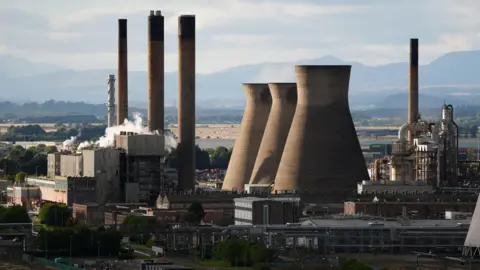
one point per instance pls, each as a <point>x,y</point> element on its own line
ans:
<point>452,78</point>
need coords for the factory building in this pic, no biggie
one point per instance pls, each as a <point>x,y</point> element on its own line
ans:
<point>141,166</point>
<point>265,211</point>
<point>366,234</point>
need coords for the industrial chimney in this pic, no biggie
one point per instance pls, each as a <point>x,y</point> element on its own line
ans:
<point>122,98</point>
<point>413,88</point>
<point>322,152</point>
<point>156,56</point>
<point>254,121</point>
<point>111,101</point>
<point>186,102</point>
<point>284,102</point>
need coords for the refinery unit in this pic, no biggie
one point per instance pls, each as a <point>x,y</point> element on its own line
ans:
<point>425,156</point>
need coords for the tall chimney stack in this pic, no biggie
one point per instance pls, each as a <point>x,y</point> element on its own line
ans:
<point>111,101</point>
<point>122,96</point>
<point>413,88</point>
<point>186,102</point>
<point>156,60</point>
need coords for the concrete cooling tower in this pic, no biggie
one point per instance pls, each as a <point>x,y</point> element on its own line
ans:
<point>284,102</point>
<point>322,152</point>
<point>252,128</point>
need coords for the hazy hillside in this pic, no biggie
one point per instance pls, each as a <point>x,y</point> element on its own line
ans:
<point>452,77</point>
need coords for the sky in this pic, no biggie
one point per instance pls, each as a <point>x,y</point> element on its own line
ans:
<point>82,35</point>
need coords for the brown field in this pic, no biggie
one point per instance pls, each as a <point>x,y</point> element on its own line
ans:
<point>213,131</point>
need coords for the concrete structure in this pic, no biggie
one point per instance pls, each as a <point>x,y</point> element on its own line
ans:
<point>141,166</point>
<point>245,150</point>
<point>89,213</point>
<point>394,187</point>
<point>122,89</point>
<point>471,247</point>
<point>186,102</point>
<point>156,56</point>
<point>67,190</point>
<point>71,165</point>
<point>413,88</point>
<point>53,165</point>
<point>408,209</point>
<point>366,234</point>
<point>284,102</point>
<point>103,164</point>
<point>322,151</point>
<point>111,121</point>
<point>263,211</point>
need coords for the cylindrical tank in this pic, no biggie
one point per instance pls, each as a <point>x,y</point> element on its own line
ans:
<point>245,150</point>
<point>284,102</point>
<point>186,102</point>
<point>156,72</point>
<point>322,152</point>
<point>122,76</point>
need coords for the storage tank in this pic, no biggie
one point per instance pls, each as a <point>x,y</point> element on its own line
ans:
<point>255,116</point>
<point>284,101</point>
<point>322,152</point>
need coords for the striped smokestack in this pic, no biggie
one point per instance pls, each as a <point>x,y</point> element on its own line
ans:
<point>284,102</point>
<point>245,150</point>
<point>156,56</point>
<point>186,100</point>
<point>122,80</point>
<point>413,88</point>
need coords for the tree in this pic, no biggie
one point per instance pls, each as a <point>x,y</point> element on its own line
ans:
<point>14,214</point>
<point>202,159</point>
<point>195,213</point>
<point>20,177</point>
<point>55,215</point>
<point>220,157</point>
<point>51,149</point>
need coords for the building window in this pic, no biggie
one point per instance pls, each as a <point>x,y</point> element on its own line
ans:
<point>265,214</point>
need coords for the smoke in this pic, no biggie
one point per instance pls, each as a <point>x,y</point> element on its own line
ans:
<point>275,73</point>
<point>68,143</point>
<point>135,126</point>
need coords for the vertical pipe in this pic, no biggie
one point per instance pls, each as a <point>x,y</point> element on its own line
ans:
<point>122,95</point>
<point>186,100</point>
<point>111,101</point>
<point>413,88</point>
<point>156,56</point>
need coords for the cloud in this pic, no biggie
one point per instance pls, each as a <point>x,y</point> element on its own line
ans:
<point>83,34</point>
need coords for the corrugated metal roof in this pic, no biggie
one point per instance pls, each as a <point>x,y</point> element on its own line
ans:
<point>427,223</point>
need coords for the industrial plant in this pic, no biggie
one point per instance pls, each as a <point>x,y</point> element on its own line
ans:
<point>297,167</point>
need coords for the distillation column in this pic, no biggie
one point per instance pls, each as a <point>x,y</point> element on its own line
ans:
<point>111,101</point>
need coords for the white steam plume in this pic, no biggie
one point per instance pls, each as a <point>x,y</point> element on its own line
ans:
<point>68,143</point>
<point>135,126</point>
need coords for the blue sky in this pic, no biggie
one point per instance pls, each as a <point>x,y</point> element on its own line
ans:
<point>82,34</point>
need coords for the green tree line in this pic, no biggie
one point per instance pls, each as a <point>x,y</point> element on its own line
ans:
<point>37,133</point>
<point>209,158</point>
